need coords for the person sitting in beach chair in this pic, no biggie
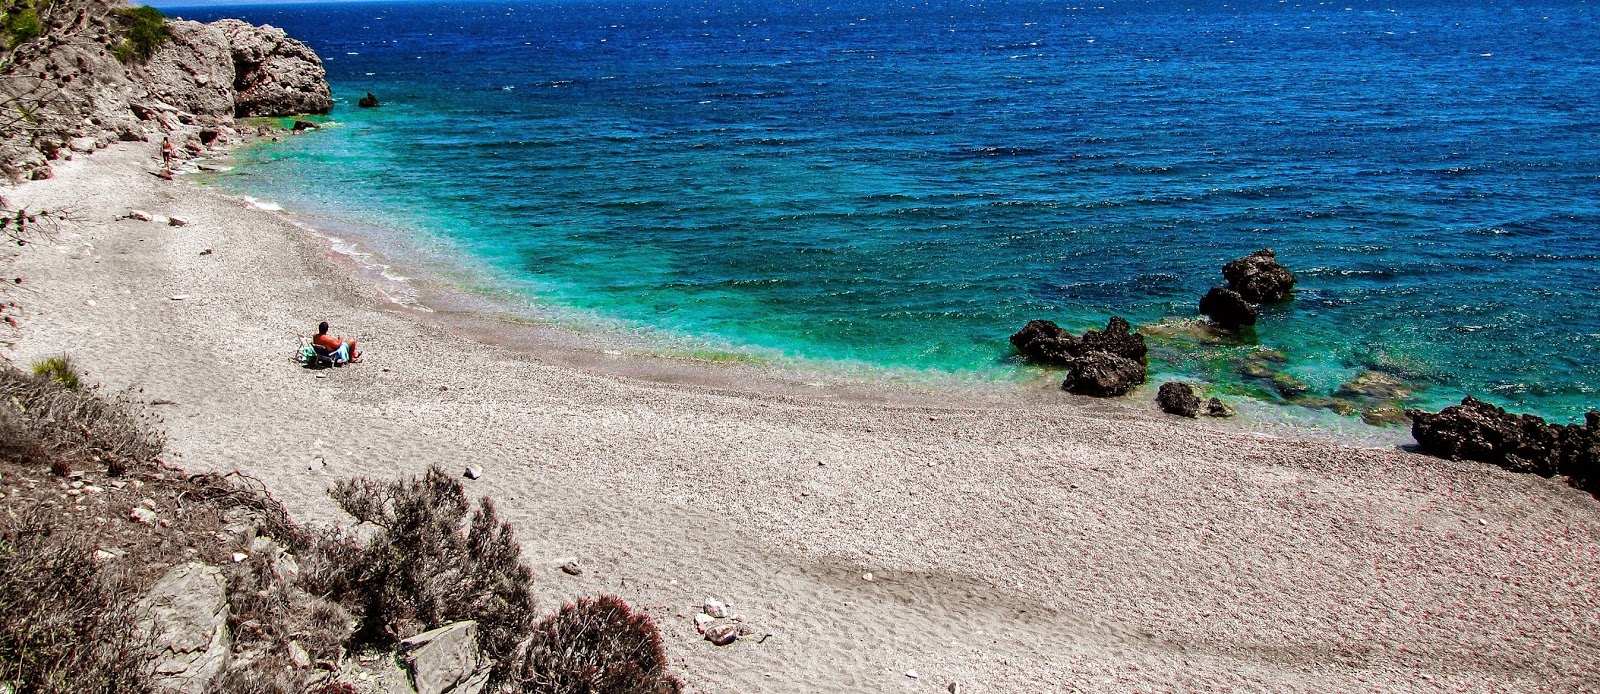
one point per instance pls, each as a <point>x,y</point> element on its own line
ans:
<point>333,350</point>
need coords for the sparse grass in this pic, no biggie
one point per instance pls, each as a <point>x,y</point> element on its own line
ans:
<point>59,368</point>
<point>79,424</point>
<point>594,647</point>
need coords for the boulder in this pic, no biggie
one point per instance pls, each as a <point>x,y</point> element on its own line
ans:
<point>1259,278</point>
<point>368,101</point>
<point>274,75</point>
<point>1118,338</point>
<point>1476,430</point>
<point>1227,308</point>
<point>186,619</point>
<point>445,660</point>
<point>1104,375</point>
<point>1181,399</point>
<point>1215,407</point>
<point>1044,342</point>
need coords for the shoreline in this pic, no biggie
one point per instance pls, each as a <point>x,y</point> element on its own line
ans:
<point>590,342</point>
<point>1015,547</point>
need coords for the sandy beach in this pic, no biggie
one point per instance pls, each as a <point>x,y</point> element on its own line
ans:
<point>1014,544</point>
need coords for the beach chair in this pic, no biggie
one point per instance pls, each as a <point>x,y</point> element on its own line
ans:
<point>316,357</point>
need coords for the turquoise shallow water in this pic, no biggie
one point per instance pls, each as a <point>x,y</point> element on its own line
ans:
<point>904,185</point>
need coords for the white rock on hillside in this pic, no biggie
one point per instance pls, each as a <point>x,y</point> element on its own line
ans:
<point>445,660</point>
<point>187,620</point>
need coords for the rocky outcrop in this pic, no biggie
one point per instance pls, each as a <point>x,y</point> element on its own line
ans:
<point>274,75</point>
<point>187,623</point>
<point>1476,430</point>
<point>369,101</point>
<point>1259,278</point>
<point>1228,308</point>
<point>80,97</point>
<point>1104,375</point>
<point>1181,399</point>
<point>1044,342</point>
<point>194,72</point>
<point>1103,363</point>
<point>1184,400</point>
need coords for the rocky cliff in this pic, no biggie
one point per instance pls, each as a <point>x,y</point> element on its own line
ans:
<point>74,87</point>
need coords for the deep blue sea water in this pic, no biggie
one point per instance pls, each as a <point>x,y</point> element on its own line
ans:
<point>903,185</point>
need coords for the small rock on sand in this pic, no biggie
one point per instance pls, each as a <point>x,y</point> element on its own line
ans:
<point>715,609</point>
<point>473,472</point>
<point>179,297</point>
<point>142,515</point>
<point>176,221</point>
<point>571,568</point>
<point>722,634</point>
<point>140,215</point>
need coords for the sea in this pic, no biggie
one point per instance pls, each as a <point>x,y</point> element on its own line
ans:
<point>891,189</point>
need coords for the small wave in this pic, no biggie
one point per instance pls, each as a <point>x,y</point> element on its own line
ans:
<point>263,204</point>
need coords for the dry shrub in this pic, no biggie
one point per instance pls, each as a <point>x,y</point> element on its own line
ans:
<point>424,570</point>
<point>593,647</point>
<point>78,423</point>
<point>259,676</point>
<point>68,624</point>
<point>19,443</point>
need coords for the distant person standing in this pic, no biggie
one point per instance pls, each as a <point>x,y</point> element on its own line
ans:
<point>338,347</point>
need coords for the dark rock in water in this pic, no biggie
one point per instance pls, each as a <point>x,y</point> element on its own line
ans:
<point>1104,375</point>
<point>1044,342</point>
<point>368,101</point>
<point>1228,308</point>
<point>1259,278</point>
<point>1215,407</point>
<point>1118,338</point>
<point>1289,386</point>
<point>1476,430</point>
<point>1181,399</point>
<point>300,125</point>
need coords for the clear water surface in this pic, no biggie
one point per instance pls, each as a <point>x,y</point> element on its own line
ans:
<point>902,185</point>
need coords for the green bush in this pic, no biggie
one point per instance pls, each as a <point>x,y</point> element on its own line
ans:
<point>20,24</point>
<point>144,32</point>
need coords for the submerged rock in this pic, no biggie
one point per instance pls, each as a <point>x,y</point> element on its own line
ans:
<point>1044,342</point>
<point>1374,385</point>
<point>1181,399</point>
<point>1476,430</point>
<point>1259,278</point>
<point>1228,308</point>
<point>1104,375</point>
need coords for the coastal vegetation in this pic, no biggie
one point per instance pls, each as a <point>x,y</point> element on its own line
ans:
<point>144,32</point>
<point>94,517</point>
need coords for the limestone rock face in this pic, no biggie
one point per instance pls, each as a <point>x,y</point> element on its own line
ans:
<point>1259,278</point>
<point>1228,308</point>
<point>1104,375</point>
<point>194,71</point>
<point>188,623</point>
<point>274,75</point>
<point>445,660</point>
